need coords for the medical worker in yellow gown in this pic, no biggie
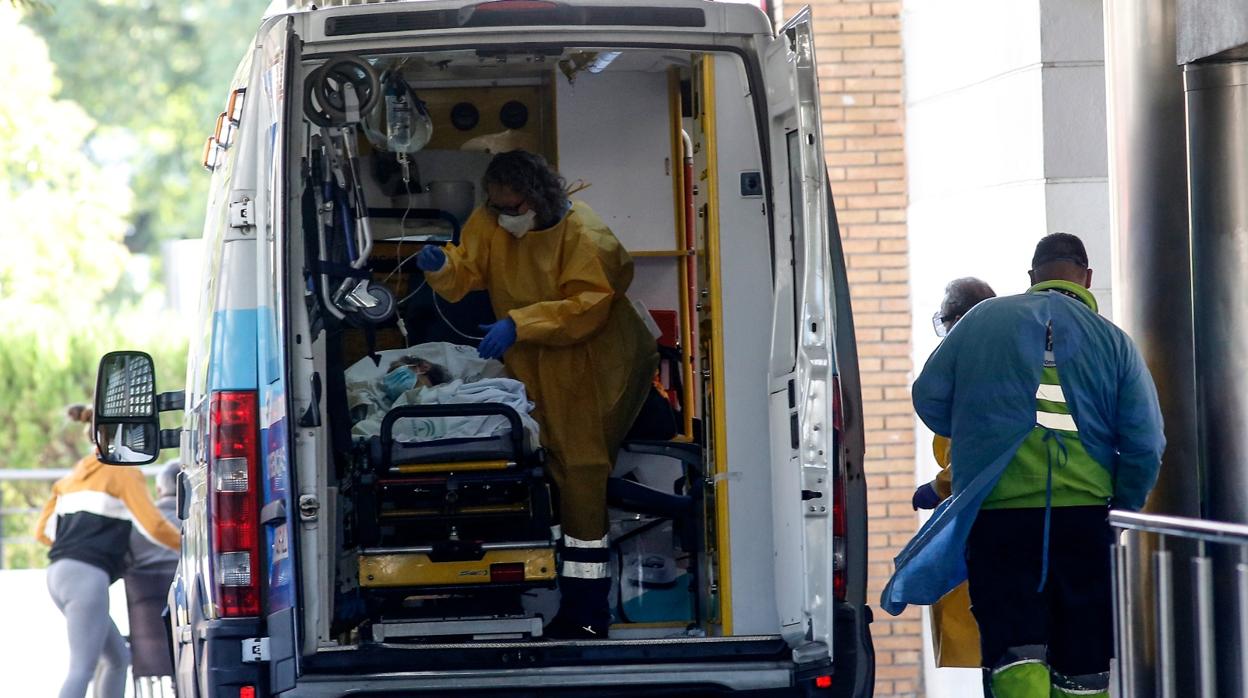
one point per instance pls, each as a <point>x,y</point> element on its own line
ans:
<point>557,279</point>
<point>955,634</point>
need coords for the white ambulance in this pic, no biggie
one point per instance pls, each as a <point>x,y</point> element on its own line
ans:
<point>341,541</point>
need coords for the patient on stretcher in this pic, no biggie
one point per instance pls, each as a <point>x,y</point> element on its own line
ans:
<point>412,371</point>
<point>436,373</point>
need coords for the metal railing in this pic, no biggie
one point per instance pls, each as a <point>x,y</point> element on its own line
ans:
<point>1145,546</point>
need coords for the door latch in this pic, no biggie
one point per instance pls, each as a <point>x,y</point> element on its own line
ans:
<point>309,507</point>
<point>240,214</point>
<point>815,493</point>
<point>255,649</point>
<point>242,210</point>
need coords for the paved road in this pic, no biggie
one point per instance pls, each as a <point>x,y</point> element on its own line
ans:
<point>33,650</point>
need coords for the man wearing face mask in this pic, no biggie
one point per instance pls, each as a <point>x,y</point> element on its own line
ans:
<point>557,279</point>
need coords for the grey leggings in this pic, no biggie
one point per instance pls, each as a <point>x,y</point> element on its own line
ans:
<point>80,590</point>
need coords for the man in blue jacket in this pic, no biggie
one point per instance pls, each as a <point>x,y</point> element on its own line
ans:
<point>1053,418</point>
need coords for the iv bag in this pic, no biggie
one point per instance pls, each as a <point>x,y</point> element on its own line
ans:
<point>403,125</point>
<point>398,121</point>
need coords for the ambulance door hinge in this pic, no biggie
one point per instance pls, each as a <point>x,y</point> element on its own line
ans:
<point>171,401</point>
<point>171,438</point>
<point>255,649</point>
<point>242,210</point>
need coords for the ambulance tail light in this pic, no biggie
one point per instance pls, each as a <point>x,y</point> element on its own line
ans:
<point>234,501</point>
<point>840,540</point>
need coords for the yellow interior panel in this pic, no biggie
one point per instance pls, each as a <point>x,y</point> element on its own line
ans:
<point>416,569</point>
<point>536,136</point>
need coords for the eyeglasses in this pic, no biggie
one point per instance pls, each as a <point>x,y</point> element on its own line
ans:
<point>502,210</point>
<point>938,323</point>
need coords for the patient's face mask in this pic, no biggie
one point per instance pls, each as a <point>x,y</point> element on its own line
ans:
<point>520,225</point>
<point>399,381</point>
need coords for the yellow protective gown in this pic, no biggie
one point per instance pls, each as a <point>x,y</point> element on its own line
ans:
<point>955,633</point>
<point>582,352</point>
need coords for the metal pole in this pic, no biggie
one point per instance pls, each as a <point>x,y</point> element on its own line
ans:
<point>1241,577</point>
<point>1152,279</point>
<point>1217,139</point>
<point>1149,225</point>
<point>1123,615</point>
<point>1164,611</point>
<point>1206,662</point>
<point>1217,144</point>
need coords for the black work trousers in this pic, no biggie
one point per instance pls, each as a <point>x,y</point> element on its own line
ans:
<point>1072,615</point>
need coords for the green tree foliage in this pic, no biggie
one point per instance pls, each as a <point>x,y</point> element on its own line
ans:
<point>64,214</point>
<point>154,75</point>
<point>52,367</point>
<point>65,218</point>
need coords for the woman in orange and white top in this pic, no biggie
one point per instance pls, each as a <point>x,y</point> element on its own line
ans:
<point>87,522</point>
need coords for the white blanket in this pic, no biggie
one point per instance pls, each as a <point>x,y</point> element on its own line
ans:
<point>506,391</point>
<point>474,380</point>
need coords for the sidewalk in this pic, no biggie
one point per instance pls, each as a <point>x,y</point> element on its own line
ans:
<point>33,649</point>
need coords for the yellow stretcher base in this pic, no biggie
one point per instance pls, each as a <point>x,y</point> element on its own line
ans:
<point>460,467</point>
<point>389,570</point>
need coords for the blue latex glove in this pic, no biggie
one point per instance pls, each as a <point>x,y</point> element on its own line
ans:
<point>431,258</point>
<point>925,497</point>
<point>499,337</point>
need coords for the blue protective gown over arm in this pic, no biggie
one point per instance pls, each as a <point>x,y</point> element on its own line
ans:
<point>979,388</point>
<point>933,392</point>
<point>1140,441</point>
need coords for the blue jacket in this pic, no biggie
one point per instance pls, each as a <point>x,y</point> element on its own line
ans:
<point>979,388</point>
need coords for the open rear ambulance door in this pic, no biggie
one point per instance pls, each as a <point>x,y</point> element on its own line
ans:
<point>803,370</point>
<point>279,516</point>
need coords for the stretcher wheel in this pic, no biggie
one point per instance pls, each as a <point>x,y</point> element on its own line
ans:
<point>385,304</point>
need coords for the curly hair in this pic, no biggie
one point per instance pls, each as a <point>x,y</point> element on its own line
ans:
<point>963,294</point>
<point>530,176</point>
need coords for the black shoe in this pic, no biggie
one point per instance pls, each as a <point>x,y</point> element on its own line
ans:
<point>564,628</point>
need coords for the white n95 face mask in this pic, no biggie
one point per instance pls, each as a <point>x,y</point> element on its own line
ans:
<point>518,226</point>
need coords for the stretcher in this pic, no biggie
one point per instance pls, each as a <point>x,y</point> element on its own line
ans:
<point>454,515</point>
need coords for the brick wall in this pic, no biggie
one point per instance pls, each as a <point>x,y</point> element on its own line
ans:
<point>858,45</point>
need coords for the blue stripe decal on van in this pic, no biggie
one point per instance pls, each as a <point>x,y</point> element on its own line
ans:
<point>232,364</point>
<point>267,349</point>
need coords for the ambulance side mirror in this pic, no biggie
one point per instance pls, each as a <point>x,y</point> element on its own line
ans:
<point>126,425</point>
